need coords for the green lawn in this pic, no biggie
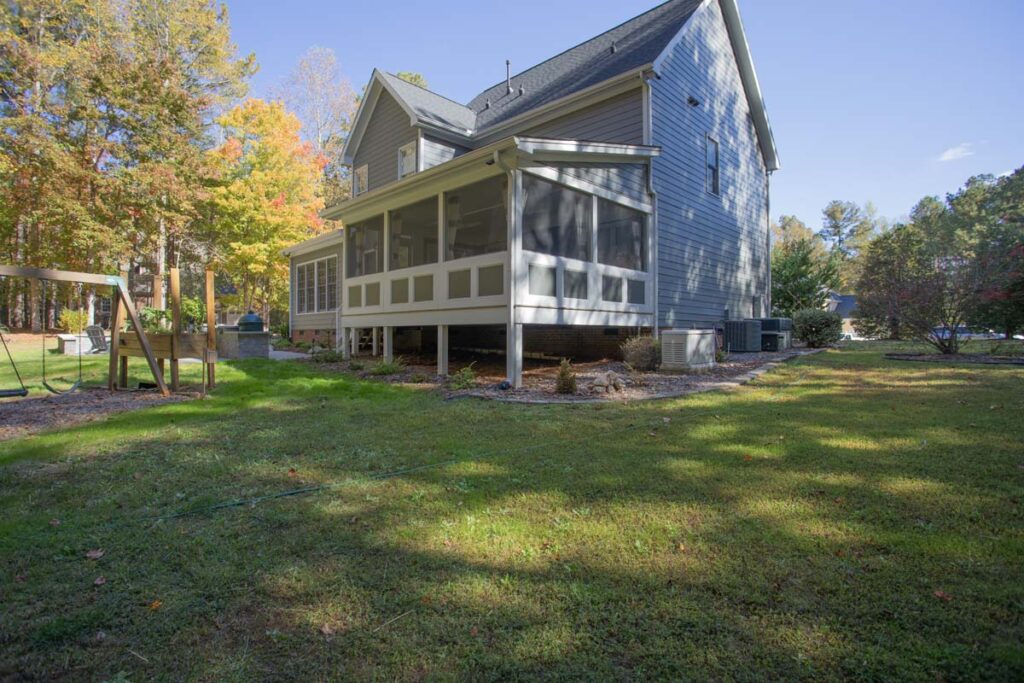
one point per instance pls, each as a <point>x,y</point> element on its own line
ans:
<point>845,517</point>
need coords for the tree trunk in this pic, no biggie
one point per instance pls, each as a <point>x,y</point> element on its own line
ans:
<point>35,305</point>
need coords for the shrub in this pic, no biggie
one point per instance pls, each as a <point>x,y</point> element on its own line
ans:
<point>301,344</point>
<point>356,365</point>
<point>817,328</point>
<point>464,378</point>
<point>384,367</point>
<point>327,357</point>
<point>642,353</point>
<point>73,322</point>
<point>154,320</point>
<point>566,382</point>
<point>721,355</point>
<point>193,312</point>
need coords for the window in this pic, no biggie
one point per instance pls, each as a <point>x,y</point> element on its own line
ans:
<point>575,284</point>
<point>316,286</point>
<point>556,220</point>
<point>476,220</point>
<point>458,284</point>
<point>359,180</point>
<point>636,291</point>
<point>400,291</point>
<point>542,280</point>
<point>413,232</point>
<point>355,296</point>
<point>423,288</point>
<point>713,176</point>
<point>621,236</point>
<point>611,288</point>
<point>364,248</point>
<point>372,294</point>
<point>406,159</point>
<point>490,280</point>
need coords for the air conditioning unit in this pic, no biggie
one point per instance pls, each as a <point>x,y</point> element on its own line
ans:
<point>773,341</point>
<point>776,324</point>
<point>743,336</point>
<point>692,350</point>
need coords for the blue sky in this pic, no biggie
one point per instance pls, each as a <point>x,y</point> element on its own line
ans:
<point>871,100</point>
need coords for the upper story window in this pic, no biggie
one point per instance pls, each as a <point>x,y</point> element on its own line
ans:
<point>556,220</point>
<point>359,180</point>
<point>713,174</point>
<point>364,247</point>
<point>406,159</point>
<point>316,285</point>
<point>413,234</point>
<point>476,219</point>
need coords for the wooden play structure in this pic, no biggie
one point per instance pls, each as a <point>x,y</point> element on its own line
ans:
<point>156,348</point>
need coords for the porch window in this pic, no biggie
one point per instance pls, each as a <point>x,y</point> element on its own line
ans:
<point>556,220</point>
<point>576,284</point>
<point>364,248</point>
<point>413,231</point>
<point>621,236</point>
<point>359,180</point>
<point>476,220</point>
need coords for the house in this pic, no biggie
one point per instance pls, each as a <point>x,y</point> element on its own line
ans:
<point>846,306</point>
<point>621,185</point>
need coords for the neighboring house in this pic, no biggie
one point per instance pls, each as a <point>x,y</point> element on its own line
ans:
<point>620,185</point>
<point>846,306</point>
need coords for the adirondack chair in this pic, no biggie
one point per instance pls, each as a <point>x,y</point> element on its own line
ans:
<point>98,339</point>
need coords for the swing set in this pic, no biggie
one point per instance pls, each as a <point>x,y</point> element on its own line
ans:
<point>122,306</point>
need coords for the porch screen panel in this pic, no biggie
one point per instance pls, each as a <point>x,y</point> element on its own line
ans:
<point>556,220</point>
<point>364,248</point>
<point>476,220</point>
<point>621,236</point>
<point>413,231</point>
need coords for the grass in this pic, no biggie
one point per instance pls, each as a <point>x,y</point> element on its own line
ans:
<point>845,517</point>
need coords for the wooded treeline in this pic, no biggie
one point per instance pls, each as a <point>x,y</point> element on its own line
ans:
<point>126,144</point>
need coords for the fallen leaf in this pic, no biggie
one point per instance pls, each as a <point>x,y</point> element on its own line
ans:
<point>100,580</point>
<point>292,472</point>
<point>155,605</point>
<point>54,522</point>
<point>474,631</point>
<point>327,630</point>
<point>942,595</point>
<point>95,554</point>
<point>681,548</point>
<point>138,476</point>
<point>748,458</point>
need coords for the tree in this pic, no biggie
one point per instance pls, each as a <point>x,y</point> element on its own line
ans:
<point>890,264</point>
<point>802,275</point>
<point>324,101</point>
<point>847,229</point>
<point>268,198</point>
<point>414,78</point>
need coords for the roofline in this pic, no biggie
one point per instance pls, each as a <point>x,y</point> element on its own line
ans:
<point>313,243</point>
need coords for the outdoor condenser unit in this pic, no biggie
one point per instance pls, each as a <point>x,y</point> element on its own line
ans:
<point>776,324</point>
<point>743,336</point>
<point>692,350</point>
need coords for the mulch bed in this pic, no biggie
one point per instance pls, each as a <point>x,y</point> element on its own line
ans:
<point>22,417</point>
<point>979,358</point>
<point>539,378</point>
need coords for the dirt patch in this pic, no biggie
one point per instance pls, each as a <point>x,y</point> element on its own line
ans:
<point>539,377</point>
<point>26,416</point>
<point>979,358</point>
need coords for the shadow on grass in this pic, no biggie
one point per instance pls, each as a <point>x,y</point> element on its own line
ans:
<point>796,529</point>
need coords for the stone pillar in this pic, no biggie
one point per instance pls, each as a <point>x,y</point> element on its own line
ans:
<point>514,354</point>
<point>442,350</point>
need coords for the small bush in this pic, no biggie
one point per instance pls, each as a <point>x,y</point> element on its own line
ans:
<point>465,378</point>
<point>327,357</point>
<point>721,355</point>
<point>356,365</point>
<point>193,312</point>
<point>73,322</point>
<point>302,345</point>
<point>642,354</point>
<point>817,328</point>
<point>566,382</point>
<point>417,378</point>
<point>383,368</point>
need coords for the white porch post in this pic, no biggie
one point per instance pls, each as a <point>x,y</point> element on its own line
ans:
<point>389,346</point>
<point>442,350</point>
<point>353,340</point>
<point>342,343</point>
<point>376,341</point>
<point>514,354</point>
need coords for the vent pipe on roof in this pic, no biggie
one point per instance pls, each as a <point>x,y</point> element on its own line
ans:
<point>614,49</point>
<point>508,77</point>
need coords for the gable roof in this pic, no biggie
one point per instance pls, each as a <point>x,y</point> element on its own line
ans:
<point>638,44</point>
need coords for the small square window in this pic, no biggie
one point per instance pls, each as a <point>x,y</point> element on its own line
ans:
<point>576,284</point>
<point>542,280</point>
<point>458,284</point>
<point>406,159</point>
<point>611,288</point>
<point>635,291</point>
<point>359,180</point>
<point>423,288</point>
<point>355,296</point>
<point>491,280</point>
<point>713,167</point>
<point>373,294</point>
<point>400,291</point>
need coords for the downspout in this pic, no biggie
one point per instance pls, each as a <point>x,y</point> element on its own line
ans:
<point>768,251</point>
<point>648,140</point>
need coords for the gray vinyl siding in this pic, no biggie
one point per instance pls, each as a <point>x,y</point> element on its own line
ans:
<point>313,321</point>
<point>617,119</point>
<point>713,251</point>
<point>387,130</point>
<point>436,152</point>
<point>629,180</point>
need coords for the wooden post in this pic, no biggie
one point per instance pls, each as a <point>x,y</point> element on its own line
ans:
<point>175,275</point>
<point>116,323</point>
<point>147,348</point>
<point>211,330</point>
<point>158,291</point>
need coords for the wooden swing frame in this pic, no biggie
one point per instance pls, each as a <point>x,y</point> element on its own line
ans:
<point>123,306</point>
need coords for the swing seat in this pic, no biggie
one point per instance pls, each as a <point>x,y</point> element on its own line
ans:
<point>74,387</point>
<point>12,393</point>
